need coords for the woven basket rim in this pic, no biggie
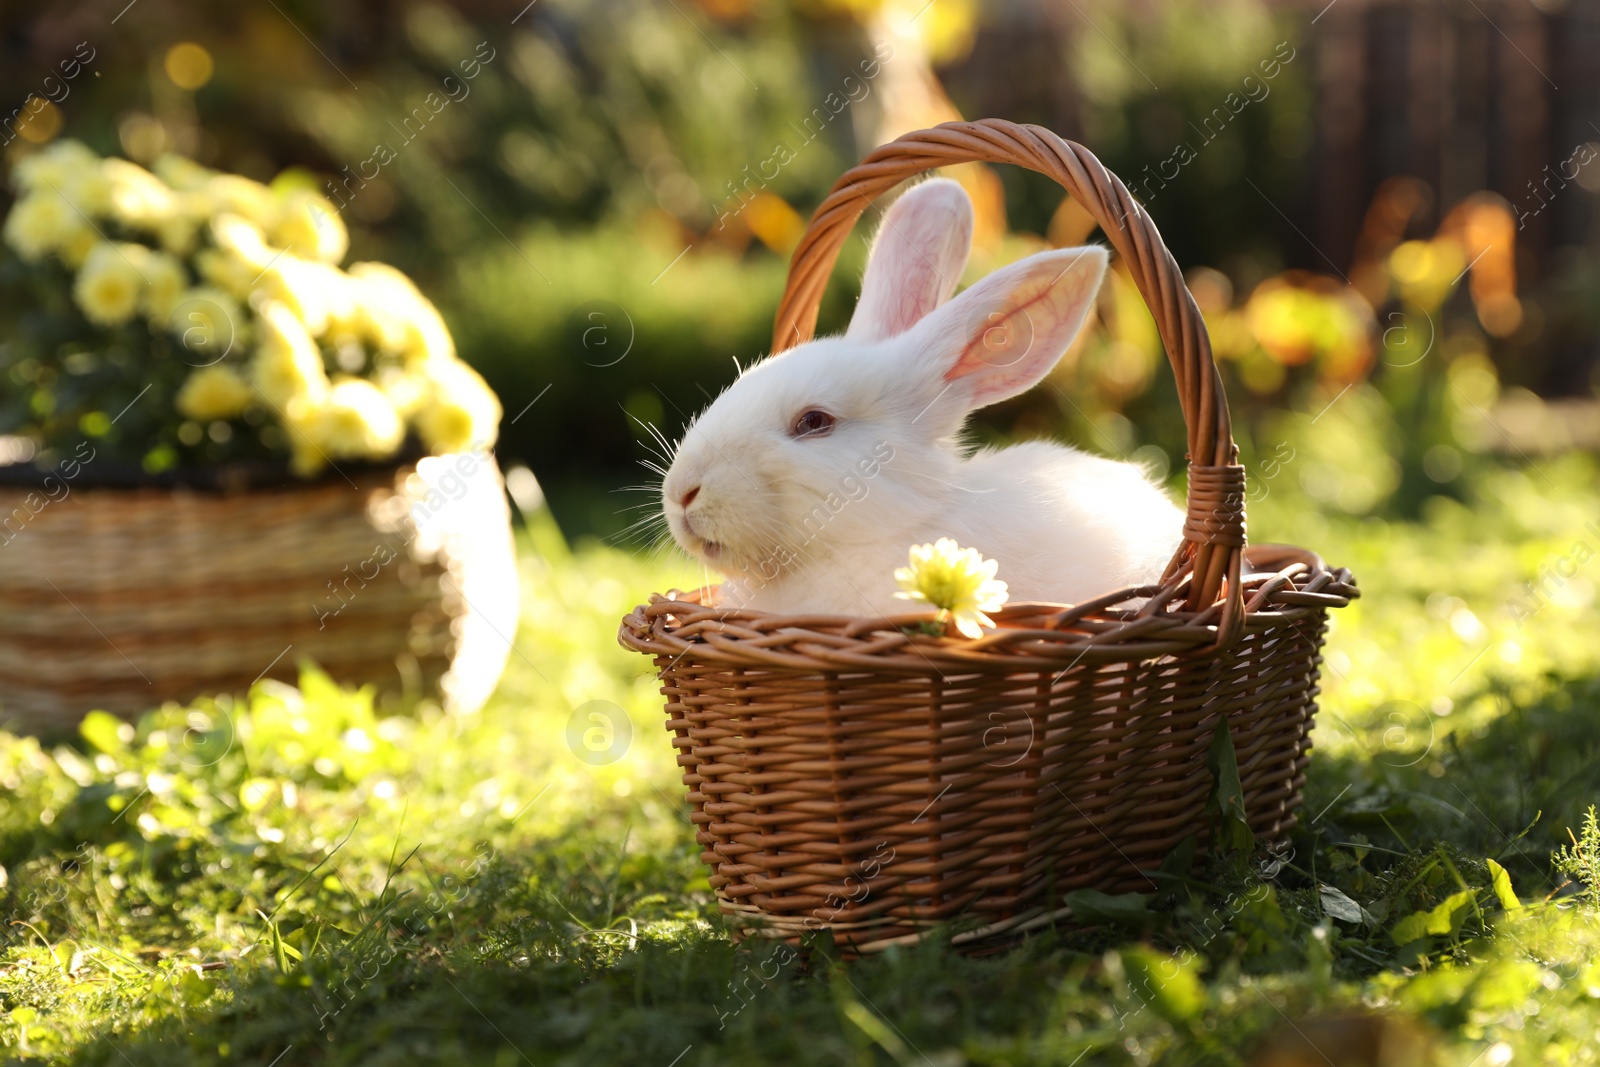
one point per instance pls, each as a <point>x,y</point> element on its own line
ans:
<point>1283,585</point>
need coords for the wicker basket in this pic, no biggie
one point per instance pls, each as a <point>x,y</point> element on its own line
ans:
<point>851,778</point>
<point>120,598</point>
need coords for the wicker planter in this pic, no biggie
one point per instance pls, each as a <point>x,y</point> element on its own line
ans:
<point>120,598</point>
<point>850,778</point>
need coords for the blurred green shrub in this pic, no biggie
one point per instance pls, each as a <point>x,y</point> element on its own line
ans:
<point>622,336</point>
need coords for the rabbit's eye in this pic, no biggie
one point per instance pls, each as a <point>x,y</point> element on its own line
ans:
<point>813,423</point>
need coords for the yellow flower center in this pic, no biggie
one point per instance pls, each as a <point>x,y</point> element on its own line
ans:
<point>958,581</point>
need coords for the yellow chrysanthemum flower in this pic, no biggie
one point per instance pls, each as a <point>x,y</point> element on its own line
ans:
<point>238,235</point>
<point>70,169</point>
<point>177,234</point>
<point>214,392</point>
<point>240,256</point>
<point>446,425</point>
<point>406,390</point>
<point>957,581</point>
<point>462,411</point>
<point>111,283</point>
<point>43,222</point>
<point>386,279</point>
<point>226,271</point>
<point>431,337</point>
<point>377,321</point>
<point>138,198</point>
<point>357,421</point>
<point>78,246</point>
<point>237,195</point>
<point>398,318</point>
<point>385,297</point>
<point>166,281</point>
<point>339,297</point>
<point>316,292</point>
<point>207,320</point>
<point>278,251</point>
<point>288,369</point>
<point>309,225</point>
<point>54,165</point>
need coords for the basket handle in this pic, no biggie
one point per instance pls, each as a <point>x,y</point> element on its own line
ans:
<point>1214,529</point>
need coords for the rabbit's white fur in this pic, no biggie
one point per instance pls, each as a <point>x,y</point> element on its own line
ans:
<point>817,524</point>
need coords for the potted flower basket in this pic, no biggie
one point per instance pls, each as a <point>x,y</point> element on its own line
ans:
<point>222,455</point>
<point>873,779</point>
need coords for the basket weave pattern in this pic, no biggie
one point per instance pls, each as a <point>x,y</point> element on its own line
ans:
<point>121,599</point>
<point>856,777</point>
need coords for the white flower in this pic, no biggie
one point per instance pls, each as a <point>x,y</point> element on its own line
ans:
<point>957,581</point>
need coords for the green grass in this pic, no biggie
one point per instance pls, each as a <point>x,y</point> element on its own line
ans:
<point>289,878</point>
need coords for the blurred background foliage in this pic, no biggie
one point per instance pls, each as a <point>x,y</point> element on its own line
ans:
<point>604,212</point>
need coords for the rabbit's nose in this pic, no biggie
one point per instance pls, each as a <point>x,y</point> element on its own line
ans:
<point>688,497</point>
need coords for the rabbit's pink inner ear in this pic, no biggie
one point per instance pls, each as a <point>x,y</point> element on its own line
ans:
<point>1016,344</point>
<point>916,262</point>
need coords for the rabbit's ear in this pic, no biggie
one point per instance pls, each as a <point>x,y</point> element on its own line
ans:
<point>916,261</point>
<point>1004,334</point>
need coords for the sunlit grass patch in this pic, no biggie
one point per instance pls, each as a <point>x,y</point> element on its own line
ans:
<point>292,874</point>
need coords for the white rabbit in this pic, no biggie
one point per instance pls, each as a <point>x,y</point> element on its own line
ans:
<point>808,480</point>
